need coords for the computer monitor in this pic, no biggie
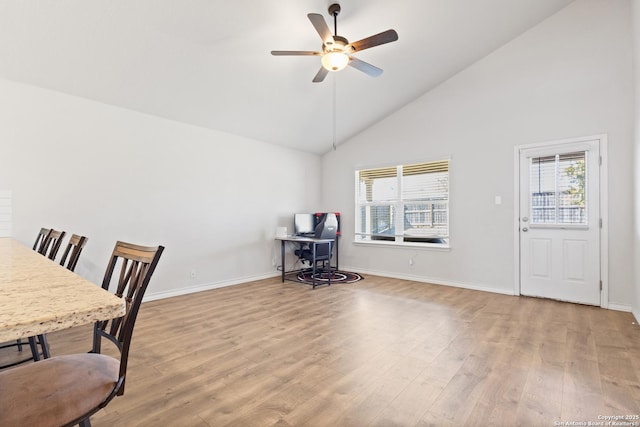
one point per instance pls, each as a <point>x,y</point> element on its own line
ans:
<point>304,224</point>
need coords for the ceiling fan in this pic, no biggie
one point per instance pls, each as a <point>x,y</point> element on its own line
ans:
<point>336,51</point>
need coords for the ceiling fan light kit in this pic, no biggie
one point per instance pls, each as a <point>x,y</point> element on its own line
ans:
<point>336,50</point>
<point>334,61</point>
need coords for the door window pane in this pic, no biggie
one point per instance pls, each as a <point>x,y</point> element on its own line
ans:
<point>558,189</point>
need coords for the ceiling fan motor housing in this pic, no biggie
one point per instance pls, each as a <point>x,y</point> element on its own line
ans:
<point>338,45</point>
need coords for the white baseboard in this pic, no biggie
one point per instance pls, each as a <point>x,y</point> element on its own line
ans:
<point>152,296</point>
<point>435,281</point>
<point>636,314</point>
<point>619,307</point>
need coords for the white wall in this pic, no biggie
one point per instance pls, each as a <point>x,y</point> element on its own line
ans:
<point>635,4</point>
<point>5,213</point>
<point>212,199</point>
<point>569,76</point>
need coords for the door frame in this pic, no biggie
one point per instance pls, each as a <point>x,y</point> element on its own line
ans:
<point>603,205</point>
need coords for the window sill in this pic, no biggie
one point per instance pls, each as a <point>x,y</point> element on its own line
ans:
<point>413,245</point>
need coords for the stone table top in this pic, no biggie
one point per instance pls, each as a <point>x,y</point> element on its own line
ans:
<point>39,296</point>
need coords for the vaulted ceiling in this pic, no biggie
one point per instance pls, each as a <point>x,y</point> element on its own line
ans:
<point>208,62</point>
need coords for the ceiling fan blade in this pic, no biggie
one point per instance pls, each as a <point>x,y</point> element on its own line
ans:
<point>321,27</point>
<point>294,53</point>
<point>322,73</point>
<point>375,40</point>
<point>365,67</point>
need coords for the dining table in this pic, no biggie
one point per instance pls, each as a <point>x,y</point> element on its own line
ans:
<point>39,296</point>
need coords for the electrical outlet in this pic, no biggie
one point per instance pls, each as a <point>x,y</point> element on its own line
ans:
<point>193,274</point>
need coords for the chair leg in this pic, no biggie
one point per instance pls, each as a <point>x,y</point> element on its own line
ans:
<point>35,352</point>
<point>313,274</point>
<point>34,348</point>
<point>45,346</point>
<point>85,423</point>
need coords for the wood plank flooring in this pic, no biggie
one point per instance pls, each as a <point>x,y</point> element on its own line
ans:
<point>380,352</point>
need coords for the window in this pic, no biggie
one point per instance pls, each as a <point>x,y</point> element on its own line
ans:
<point>557,189</point>
<point>403,204</point>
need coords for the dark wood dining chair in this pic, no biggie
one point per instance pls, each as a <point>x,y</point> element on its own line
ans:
<point>51,244</point>
<point>42,234</point>
<point>67,390</point>
<point>72,251</point>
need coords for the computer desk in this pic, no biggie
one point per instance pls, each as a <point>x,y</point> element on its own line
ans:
<point>305,240</point>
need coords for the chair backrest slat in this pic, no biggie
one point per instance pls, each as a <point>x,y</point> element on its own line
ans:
<point>74,248</point>
<point>51,244</point>
<point>42,234</point>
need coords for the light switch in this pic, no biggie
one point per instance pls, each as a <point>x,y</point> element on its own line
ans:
<point>498,200</point>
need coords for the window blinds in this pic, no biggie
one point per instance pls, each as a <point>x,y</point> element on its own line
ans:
<point>425,181</point>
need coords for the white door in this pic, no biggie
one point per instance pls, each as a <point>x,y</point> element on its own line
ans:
<point>560,222</point>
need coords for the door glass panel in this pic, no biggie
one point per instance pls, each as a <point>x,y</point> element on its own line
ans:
<point>558,189</point>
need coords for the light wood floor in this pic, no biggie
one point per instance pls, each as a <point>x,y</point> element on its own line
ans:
<point>380,352</point>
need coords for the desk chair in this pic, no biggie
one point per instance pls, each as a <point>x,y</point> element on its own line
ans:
<point>321,252</point>
<point>67,390</point>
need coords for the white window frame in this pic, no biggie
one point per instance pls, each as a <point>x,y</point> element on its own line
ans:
<point>398,206</point>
